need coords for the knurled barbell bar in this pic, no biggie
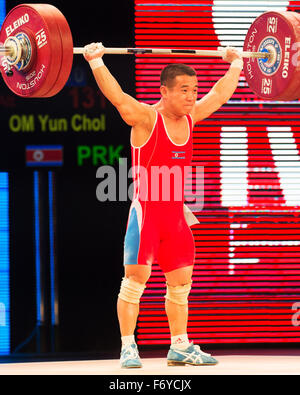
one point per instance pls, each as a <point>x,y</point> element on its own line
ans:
<point>37,52</point>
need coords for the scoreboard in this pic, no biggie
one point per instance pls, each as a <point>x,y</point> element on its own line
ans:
<point>78,124</point>
<point>71,131</point>
<point>49,153</point>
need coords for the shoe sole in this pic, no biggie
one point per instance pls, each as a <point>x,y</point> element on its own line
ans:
<point>177,363</point>
<point>131,367</point>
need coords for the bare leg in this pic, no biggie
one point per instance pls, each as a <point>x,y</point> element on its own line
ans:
<point>128,312</point>
<point>178,320</point>
<point>177,314</point>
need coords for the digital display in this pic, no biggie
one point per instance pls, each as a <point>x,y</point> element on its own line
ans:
<point>79,120</point>
<point>53,143</point>
<point>4,250</point>
<point>4,267</point>
<point>246,283</point>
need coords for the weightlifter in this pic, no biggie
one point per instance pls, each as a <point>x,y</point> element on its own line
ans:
<point>157,230</point>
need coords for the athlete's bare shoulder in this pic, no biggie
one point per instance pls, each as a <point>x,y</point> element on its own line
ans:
<point>141,132</point>
<point>151,110</point>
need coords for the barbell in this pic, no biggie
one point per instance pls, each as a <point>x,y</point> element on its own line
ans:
<point>36,50</point>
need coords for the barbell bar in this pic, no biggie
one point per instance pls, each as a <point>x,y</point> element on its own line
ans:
<point>11,52</point>
<point>179,51</point>
<point>37,54</point>
<point>6,51</point>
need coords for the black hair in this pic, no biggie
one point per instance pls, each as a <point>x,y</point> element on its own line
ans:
<point>170,72</point>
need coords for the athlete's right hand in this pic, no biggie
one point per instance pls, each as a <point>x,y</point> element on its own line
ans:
<point>93,51</point>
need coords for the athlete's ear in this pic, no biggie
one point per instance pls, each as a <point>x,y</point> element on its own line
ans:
<point>163,91</point>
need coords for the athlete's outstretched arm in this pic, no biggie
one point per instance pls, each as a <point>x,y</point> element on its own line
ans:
<point>222,91</point>
<point>132,111</point>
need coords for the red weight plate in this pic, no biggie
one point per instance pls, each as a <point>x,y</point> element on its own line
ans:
<point>36,22</point>
<point>278,77</point>
<point>67,52</point>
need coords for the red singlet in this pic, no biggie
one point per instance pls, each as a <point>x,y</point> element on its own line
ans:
<point>156,229</point>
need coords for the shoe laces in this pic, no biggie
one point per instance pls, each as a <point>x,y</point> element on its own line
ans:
<point>198,349</point>
<point>129,352</point>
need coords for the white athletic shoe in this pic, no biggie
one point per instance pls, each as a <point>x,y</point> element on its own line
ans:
<point>192,355</point>
<point>130,357</point>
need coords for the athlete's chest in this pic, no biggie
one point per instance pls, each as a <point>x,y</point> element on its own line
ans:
<point>177,131</point>
<point>173,143</point>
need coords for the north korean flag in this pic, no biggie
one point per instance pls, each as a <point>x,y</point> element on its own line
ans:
<point>44,155</point>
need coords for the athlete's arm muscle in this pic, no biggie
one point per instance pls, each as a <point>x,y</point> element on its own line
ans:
<point>218,95</point>
<point>221,91</point>
<point>133,112</point>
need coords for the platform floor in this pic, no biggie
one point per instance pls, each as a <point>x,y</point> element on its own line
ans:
<point>228,365</point>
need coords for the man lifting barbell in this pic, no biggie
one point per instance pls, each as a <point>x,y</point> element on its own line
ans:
<point>157,230</point>
<point>37,55</point>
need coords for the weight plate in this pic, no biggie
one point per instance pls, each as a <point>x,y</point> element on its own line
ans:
<point>36,22</point>
<point>276,78</point>
<point>67,52</point>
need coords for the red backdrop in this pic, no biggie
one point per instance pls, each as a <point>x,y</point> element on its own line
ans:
<point>246,281</point>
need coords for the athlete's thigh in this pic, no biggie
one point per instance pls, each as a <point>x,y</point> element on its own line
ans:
<point>178,250</point>
<point>141,242</point>
<point>138,273</point>
<point>180,276</point>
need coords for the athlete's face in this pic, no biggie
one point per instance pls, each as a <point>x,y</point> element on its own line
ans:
<point>181,97</point>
